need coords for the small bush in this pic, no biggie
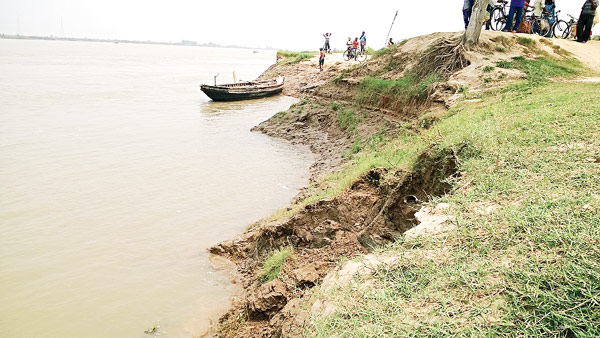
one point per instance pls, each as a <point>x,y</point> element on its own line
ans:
<point>488,69</point>
<point>335,106</point>
<point>500,49</point>
<point>273,264</point>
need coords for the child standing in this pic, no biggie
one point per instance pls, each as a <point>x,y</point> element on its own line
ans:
<point>321,59</point>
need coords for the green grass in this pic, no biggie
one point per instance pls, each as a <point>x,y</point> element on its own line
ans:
<point>272,265</point>
<point>348,119</point>
<point>529,267</point>
<point>504,64</point>
<point>288,58</point>
<point>376,91</point>
<point>488,69</point>
<point>383,51</point>
<point>526,41</point>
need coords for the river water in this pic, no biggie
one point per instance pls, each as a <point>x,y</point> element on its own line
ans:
<point>117,174</point>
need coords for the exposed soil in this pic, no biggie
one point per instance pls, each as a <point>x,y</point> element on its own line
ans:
<point>373,210</point>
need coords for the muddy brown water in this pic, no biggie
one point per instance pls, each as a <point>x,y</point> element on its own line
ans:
<point>117,174</point>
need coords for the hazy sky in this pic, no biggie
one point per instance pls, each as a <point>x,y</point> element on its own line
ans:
<point>282,24</point>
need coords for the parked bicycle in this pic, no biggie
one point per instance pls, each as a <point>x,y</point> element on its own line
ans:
<point>565,29</point>
<point>356,54</point>
<point>499,15</point>
<point>540,25</point>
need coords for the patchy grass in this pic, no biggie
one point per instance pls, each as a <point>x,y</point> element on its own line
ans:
<point>529,267</point>
<point>527,42</point>
<point>539,70</point>
<point>289,58</point>
<point>280,115</point>
<point>394,93</point>
<point>488,69</point>
<point>383,51</point>
<point>272,265</point>
<point>504,64</point>
<point>348,119</point>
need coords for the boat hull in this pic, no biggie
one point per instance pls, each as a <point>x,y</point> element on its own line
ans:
<point>241,92</point>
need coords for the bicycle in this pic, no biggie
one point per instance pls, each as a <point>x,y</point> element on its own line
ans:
<point>356,54</point>
<point>540,25</point>
<point>564,29</point>
<point>499,16</point>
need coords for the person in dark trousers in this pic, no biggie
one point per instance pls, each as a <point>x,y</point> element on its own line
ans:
<point>586,20</point>
<point>467,8</point>
<point>551,8</point>
<point>327,47</point>
<point>516,8</point>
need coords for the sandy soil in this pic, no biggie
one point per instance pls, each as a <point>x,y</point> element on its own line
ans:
<point>588,53</point>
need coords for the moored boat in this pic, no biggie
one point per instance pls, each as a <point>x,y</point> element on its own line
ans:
<point>243,90</point>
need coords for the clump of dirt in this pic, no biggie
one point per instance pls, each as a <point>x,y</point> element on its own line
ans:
<point>373,211</point>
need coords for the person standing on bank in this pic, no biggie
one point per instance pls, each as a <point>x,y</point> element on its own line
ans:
<point>586,20</point>
<point>516,8</point>
<point>363,42</point>
<point>321,59</point>
<point>467,8</point>
<point>327,47</point>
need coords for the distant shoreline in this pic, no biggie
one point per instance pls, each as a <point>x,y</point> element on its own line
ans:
<point>147,42</point>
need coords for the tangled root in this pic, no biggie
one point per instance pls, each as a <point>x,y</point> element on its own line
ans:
<point>445,57</point>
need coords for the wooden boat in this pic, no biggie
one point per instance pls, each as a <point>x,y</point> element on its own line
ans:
<point>243,90</point>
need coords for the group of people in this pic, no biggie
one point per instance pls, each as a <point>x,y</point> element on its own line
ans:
<point>584,24</point>
<point>358,44</point>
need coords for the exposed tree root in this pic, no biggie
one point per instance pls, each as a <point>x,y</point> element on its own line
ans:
<point>444,58</point>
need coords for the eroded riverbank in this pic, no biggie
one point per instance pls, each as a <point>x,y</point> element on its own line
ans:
<point>379,158</point>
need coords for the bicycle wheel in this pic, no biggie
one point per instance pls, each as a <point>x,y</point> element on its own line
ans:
<point>362,56</point>
<point>346,55</point>
<point>543,27</point>
<point>497,19</point>
<point>560,28</point>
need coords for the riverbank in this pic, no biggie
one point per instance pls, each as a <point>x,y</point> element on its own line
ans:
<point>435,204</point>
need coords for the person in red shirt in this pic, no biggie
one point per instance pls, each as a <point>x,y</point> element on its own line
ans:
<point>355,48</point>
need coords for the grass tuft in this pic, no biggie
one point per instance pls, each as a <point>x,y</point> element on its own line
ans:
<point>273,264</point>
<point>394,93</point>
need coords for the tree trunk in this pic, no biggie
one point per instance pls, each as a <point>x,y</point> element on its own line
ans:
<point>473,31</point>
